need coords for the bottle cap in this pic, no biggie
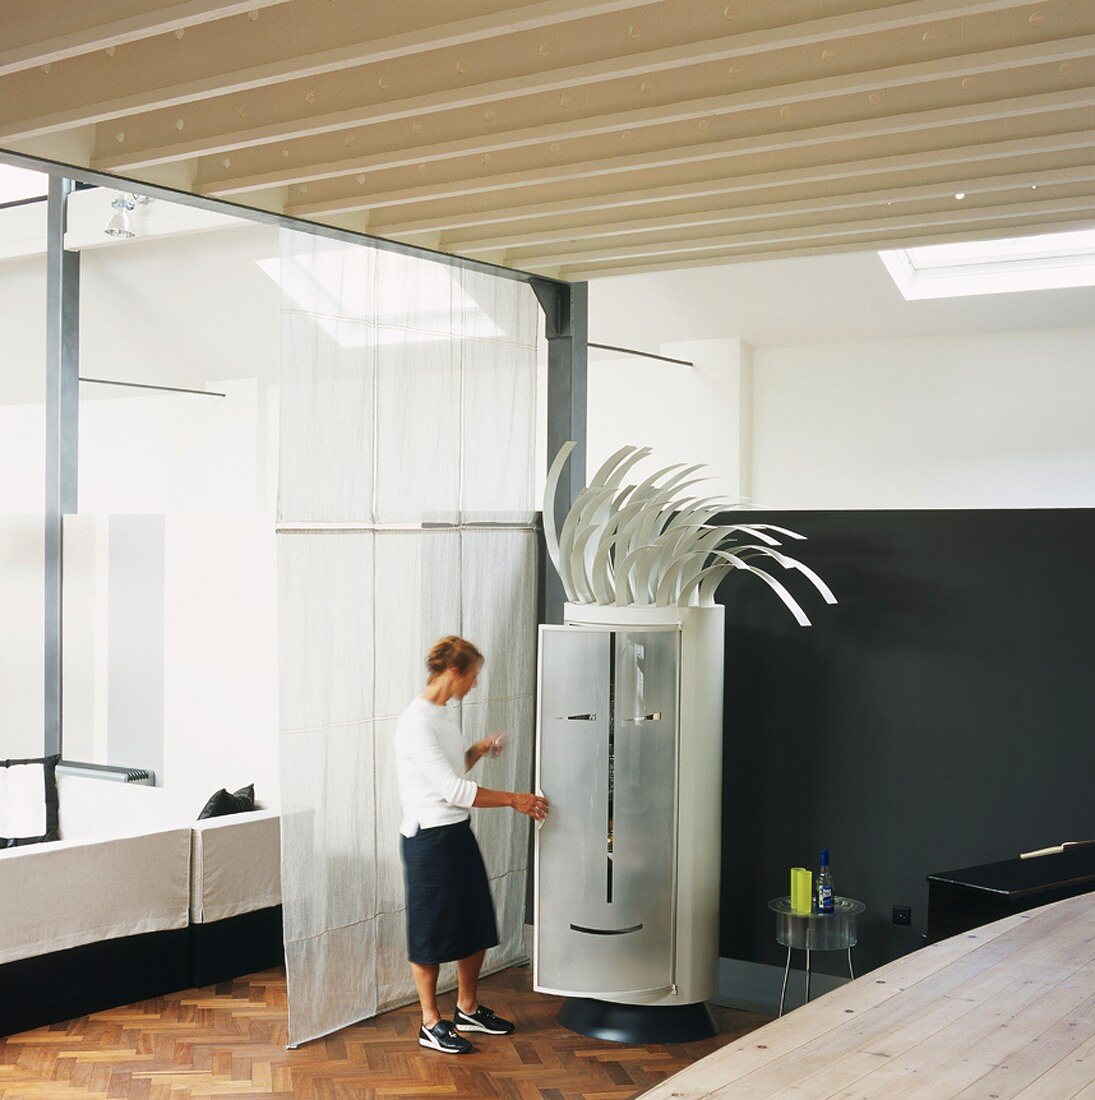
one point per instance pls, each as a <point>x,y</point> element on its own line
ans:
<point>824,857</point>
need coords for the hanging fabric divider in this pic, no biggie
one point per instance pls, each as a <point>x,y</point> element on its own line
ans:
<point>406,511</point>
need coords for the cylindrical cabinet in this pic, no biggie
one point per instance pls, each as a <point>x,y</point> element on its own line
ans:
<point>629,752</point>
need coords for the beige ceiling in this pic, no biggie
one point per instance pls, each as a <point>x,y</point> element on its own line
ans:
<point>579,138</point>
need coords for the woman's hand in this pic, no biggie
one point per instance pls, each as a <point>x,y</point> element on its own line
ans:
<point>533,805</point>
<point>491,745</point>
<point>485,746</point>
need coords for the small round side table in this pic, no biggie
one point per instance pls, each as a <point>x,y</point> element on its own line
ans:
<point>835,931</point>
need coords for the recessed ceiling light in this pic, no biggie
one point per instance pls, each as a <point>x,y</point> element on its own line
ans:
<point>960,194</point>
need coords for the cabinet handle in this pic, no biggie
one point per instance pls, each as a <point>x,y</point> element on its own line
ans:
<point>605,931</point>
<point>577,718</point>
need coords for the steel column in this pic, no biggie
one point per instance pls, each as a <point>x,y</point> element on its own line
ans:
<point>566,325</point>
<point>62,433</point>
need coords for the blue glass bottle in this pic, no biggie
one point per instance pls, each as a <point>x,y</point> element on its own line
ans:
<point>824,884</point>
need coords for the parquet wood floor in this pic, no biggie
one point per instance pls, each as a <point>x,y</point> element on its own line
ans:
<point>228,1041</point>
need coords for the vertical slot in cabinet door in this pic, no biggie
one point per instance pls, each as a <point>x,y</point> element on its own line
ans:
<point>644,786</point>
<point>572,771</point>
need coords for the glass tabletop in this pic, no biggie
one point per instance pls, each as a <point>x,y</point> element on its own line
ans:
<point>848,907</point>
<point>835,931</point>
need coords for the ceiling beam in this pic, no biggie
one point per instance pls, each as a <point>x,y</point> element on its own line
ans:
<point>269,169</point>
<point>357,198</point>
<point>38,33</point>
<point>815,233</point>
<point>973,187</point>
<point>281,46</point>
<point>213,126</point>
<point>708,188</point>
<point>595,271</point>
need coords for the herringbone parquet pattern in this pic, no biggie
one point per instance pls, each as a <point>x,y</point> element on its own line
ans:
<point>229,1041</point>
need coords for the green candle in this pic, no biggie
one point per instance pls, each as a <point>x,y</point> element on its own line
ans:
<point>802,890</point>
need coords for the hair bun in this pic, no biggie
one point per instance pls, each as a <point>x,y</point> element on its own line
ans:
<point>453,652</point>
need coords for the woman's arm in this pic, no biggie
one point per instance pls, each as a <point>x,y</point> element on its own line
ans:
<point>437,771</point>
<point>532,805</point>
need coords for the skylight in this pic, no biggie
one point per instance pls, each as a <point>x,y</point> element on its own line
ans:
<point>20,184</point>
<point>1045,262</point>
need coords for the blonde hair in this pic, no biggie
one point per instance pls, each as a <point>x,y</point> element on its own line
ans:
<point>453,652</point>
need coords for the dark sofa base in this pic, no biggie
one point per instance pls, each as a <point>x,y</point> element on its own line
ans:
<point>225,949</point>
<point>63,985</point>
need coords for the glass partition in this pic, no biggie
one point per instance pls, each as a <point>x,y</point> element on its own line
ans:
<point>169,620</point>
<point>22,461</point>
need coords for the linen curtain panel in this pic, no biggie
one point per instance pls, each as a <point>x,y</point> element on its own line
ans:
<point>405,512</point>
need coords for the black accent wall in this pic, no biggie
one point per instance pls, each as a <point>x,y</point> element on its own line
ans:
<point>941,715</point>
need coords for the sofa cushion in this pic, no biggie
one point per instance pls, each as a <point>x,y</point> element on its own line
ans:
<point>73,892</point>
<point>222,803</point>
<point>235,865</point>
<point>28,801</point>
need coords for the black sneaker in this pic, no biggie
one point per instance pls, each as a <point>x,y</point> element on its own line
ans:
<point>443,1037</point>
<point>482,1019</point>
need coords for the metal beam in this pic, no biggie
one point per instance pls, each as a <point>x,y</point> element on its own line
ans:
<point>643,354</point>
<point>566,326</point>
<point>147,386</point>
<point>264,217</point>
<point>62,433</point>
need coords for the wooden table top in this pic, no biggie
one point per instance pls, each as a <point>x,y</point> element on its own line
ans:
<point>1006,1010</point>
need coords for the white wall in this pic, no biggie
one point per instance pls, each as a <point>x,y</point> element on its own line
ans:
<point>995,420</point>
<point>22,606</point>
<point>22,504</point>
<point>687,414</point>
<point>859,399</point>
<point>180,453</point>
<point>221,659</point>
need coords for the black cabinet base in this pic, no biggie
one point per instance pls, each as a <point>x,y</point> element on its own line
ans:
<point>637,1024</point>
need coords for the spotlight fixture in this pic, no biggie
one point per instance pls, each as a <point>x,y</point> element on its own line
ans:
<point>120,226</point>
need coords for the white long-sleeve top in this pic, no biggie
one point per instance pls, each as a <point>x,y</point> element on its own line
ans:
<point>429,763</point>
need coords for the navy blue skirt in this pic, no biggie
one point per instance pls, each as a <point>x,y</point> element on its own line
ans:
<point>450,914</point>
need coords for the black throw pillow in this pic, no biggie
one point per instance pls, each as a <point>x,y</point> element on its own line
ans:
<point>32,775</point>
<point>221,803</point>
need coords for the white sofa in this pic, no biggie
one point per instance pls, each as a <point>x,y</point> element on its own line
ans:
<point>135,882</point>
<point>234,862</point>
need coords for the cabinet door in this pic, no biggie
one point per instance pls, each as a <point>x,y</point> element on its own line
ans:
<point>606,759</point>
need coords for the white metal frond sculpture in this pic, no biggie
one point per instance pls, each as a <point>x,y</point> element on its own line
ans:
<point>647,545</point>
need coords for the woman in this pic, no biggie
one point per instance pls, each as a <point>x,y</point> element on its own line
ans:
<point>450,915</point>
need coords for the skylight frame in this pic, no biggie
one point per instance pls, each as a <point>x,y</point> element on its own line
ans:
<point>1045,261</point>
